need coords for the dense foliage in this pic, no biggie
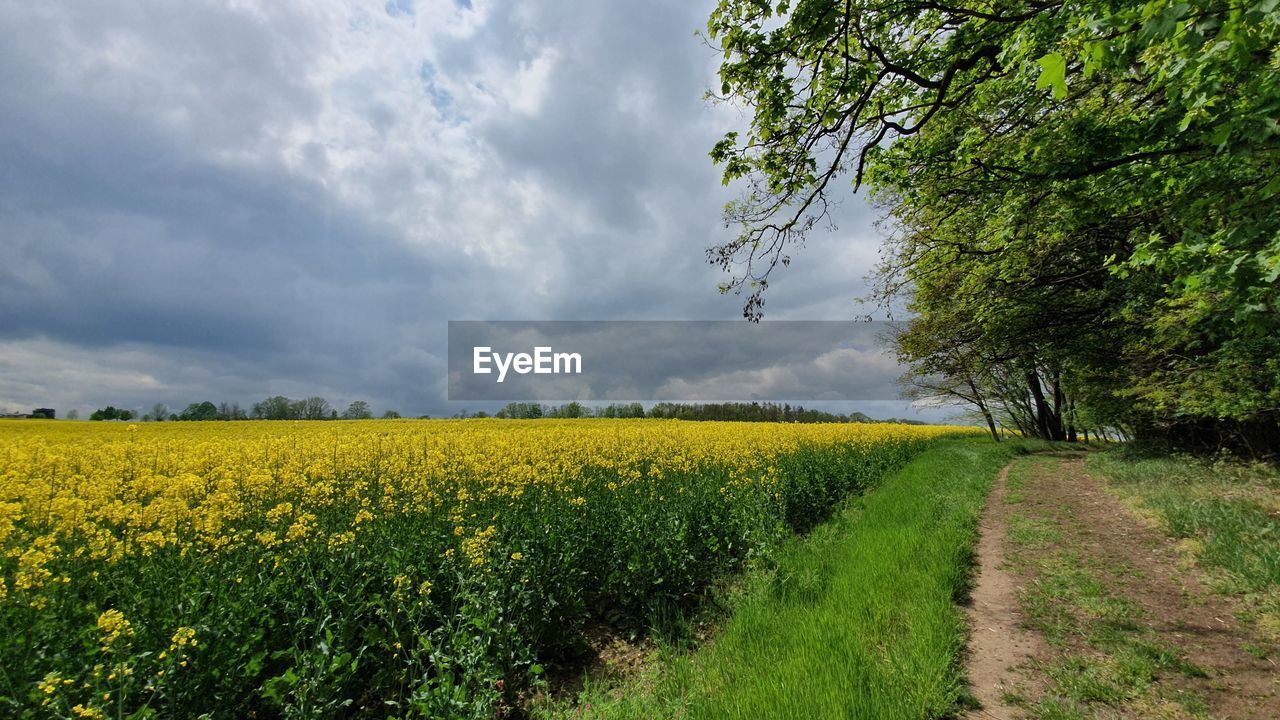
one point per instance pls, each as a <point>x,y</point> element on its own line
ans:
<point>1081,195</point>
<point>111,412</point>
<point>376,568</point>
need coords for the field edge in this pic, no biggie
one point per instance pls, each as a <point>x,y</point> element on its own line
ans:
<point>861,618</point>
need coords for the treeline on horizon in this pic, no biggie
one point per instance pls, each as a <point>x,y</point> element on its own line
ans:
<point>727,411</point>
<point>317,408</point>
<point>1082,200</point>
<point>277,407</point>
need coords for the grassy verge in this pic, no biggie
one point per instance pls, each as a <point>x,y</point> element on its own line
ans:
<point>858,619</point>
<point>1227,515</point>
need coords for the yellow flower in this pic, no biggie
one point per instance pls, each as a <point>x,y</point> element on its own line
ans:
<point>113,627</point>
<point>50,683</point>
<point>476,547</point>
<point>91,495</point>
<point>182,637</point>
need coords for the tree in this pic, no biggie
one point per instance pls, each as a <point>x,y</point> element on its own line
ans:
<point>391,415</point>
<point>357,410</point>
<point>277,407</point>
<point>111,412</point>
<point>73,414</point>
<point>312,408</point>
<point>202,411</point>
<point>568,410</point>
<point>1090,189</point>
<point>159,412</point>
<point>520,411</point>
<point>231,411</point>
<point>46,413</point>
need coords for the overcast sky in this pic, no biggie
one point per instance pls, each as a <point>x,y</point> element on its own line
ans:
<point>229,200</point>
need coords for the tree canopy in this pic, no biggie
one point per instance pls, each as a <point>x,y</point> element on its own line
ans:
<point>111,412</point>
<point>1080,197</point>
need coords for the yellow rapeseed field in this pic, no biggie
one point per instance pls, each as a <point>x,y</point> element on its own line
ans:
<point>230,565</point>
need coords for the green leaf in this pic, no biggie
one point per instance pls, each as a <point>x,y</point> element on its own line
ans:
<point>1096,56</point>
<point>1053,74</point>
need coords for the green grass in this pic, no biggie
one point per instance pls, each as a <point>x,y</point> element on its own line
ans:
<point>1227,513</point>
<point>858,620</point>
<point>1232,510</point>
<point>1106,656</point>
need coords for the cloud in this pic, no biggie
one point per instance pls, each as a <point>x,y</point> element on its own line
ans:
<point>227,200</point>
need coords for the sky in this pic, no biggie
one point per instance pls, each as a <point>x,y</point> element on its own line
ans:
<point>231,200</point>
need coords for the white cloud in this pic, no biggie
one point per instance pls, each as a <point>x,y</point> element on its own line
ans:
<point>274,182</point>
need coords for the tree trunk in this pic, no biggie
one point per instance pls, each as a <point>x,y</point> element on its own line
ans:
<point>1071,421</point>
<point>1042,408</point>
<point>986,412</point>
<point>1055,417</point>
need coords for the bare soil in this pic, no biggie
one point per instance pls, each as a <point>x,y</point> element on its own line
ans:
<point>604,654</point>
<point>1000,650</point>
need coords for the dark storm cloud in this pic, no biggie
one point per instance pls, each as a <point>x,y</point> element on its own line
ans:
<point>208,201</point>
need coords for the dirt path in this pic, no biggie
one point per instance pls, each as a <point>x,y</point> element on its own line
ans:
<point>999,648</point>
<point>1093,570</point>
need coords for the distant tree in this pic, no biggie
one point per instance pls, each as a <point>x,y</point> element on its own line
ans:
<point>312,408</point>
<point>200,411</point>
<point>568,410</point>
<point>73,414</point>
<point>111,412</point>
<point>277,407</point>
<point>633,410</point>
<point>46,413</point>
<point>231,411</point>
<point>391,415</point>
<point>520,411</point>
<point>358,410</point>
<point>159,412</point>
